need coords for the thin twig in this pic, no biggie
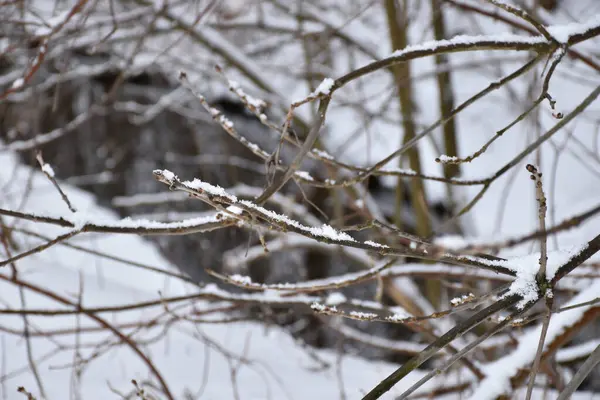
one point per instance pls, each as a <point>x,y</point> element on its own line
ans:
<point>459,330</point>
<point>525,16</point>
<point>540,349</point>
<point>49,172</point>
<point>541,278</point>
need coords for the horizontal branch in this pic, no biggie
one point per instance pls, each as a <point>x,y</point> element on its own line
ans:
<point>463,43</point>
<point>127,225</point>
<point>252,213</point>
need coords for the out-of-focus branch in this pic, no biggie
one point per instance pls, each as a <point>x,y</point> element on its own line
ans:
<point>445,90</point>
<point>581,374</point>
<point>439,344</point>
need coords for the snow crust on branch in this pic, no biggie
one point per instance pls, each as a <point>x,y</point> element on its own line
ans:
<point>323,88</point>
<point>526,268</point>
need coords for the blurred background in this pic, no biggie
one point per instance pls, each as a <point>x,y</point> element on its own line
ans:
<point>93,87</point>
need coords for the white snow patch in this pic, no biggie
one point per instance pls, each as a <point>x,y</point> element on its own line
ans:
<point>562,33</point>
<point>362,315</point>
<point>324,87</point>
<point>375,244</point>
<point>168,175</point>
<point>244,280</point>
<point>47,169</point>
<point>335,299</point>
<point>235,210</point>
<point>526,268</point>
<point>462,299</point>
<point>214,190</point>
<point>397,170</point>
<point>447,159</point>
<point>398,317</point>
<point>325,231</point>
<point>470,41</point>
<point>304,175</point>
<point>320,307</point>
<point>17,84</point>
<point>323,154</point>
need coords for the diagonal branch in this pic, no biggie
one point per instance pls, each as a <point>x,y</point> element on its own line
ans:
<point>439,344</point>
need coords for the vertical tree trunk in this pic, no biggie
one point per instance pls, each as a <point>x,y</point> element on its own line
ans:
<point>445,90</point>
<point>398,25</point>
<point>398,28</point>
